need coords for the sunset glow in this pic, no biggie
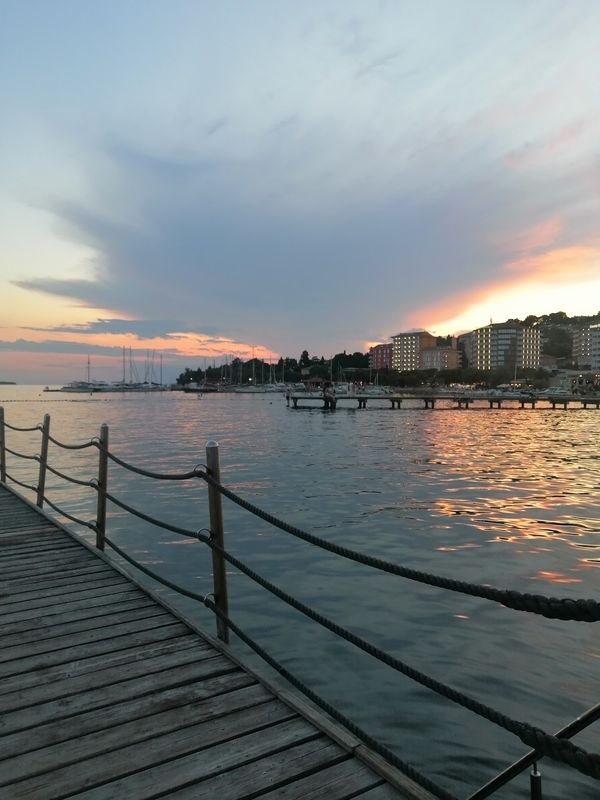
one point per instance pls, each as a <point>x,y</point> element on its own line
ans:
<point>397,170</point>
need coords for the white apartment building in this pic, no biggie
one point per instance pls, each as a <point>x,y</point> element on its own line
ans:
<point>582,345</point>
<point>406,349</point>
<point>594,348</point>
<point>505,344</point>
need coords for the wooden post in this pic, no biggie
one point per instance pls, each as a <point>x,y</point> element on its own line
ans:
<point>43,461</point>
<point>102,487</point>
<point>215,506</point>
<point>2,447</point>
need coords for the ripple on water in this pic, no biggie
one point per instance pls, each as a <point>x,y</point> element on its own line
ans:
<point>507,499</point>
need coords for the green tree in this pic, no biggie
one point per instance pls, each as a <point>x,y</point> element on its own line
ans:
<point>305,359</point>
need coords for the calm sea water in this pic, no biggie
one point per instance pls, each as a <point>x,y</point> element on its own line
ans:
<point>507,497</point>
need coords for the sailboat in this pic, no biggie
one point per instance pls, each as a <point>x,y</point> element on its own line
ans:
<point>87,386</point>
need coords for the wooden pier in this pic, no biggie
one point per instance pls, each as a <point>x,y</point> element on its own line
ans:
<point>108,692</point>
<point>459,401</point>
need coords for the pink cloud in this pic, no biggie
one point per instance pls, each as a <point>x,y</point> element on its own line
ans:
<point>536,153</point>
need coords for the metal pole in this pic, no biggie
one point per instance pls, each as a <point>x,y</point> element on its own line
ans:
<point>580,723</point>
<point>102,487</point>
<point>535,783</point>
<point>215,506</point>
<point>43,461</point>
<point>2,447</point>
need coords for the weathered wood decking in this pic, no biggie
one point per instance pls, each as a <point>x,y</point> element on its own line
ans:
<point>106,693</point>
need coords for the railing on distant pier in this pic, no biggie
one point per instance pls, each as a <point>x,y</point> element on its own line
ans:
<point>557,746</point>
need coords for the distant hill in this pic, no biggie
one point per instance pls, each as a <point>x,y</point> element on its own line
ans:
<point>8,383</point>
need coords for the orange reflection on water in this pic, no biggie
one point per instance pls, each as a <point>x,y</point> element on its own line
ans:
<point>452,548</point>
<point>555,577</point>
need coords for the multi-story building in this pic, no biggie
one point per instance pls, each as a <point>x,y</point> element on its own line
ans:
<point>440,358</point>
<point>582,346</point>
<point>380,356</point>
<point>595,348</point>
<point>407,347</point>
<point>505,344</point>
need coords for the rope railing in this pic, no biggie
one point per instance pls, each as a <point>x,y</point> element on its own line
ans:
<point>155,521</point>
<point>23,430</point>
<point>545,743</point>
<point>160,476</point>
<point>22,455</point>
<point>550,607</point>
<point>557,747</point>
<point>20,483</point>
<point>64,446</point>
<point>69,478</point>
<point>64,513</point>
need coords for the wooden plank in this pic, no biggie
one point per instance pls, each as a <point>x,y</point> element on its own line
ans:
<point>59,575</point>
<point>85,666</point>
<point>73,751</point>
<point>340,781</point>
<point>53,638</point>
<point>45,623</point>
<point>42,569</point>
<point>58,597</point>
<point>31,566</point>
<point>165,631</point>
<point>85,600</point>
<point>23,541</point>
<point>36,524</point>
<point>391,774</point>
<point>33,716</point>
<point>51,587</point>
<point>130,758</point>
<point>17,549</point>
<point>166,777</point>
<point>54,548</point>
<point>386,792</point>
<point>30,537</point>
<point>53,553</point>
<point>106,717</point>
<point>59,593</point>
<point>70,685</point>
<point>275,769</point>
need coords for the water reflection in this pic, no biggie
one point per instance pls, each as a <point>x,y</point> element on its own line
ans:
<point>502,497</point>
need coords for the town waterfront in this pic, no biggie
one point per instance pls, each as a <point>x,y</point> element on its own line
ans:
<point>507,497</point>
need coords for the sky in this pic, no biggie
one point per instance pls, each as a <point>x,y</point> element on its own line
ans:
<point>198,180</point>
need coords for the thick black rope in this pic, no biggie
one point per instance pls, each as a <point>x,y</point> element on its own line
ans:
<point>551,746</point>
<point>154,520</point>
<point>20,483</point>
<point>154,575</point>
<point>21,455</point>
<point>64,446</point>
<point>407,769</point>
<point>550,607</point>
<point>59,510</point>
<point>68,478</point>
<point>161,476</point>
<point>22,430</point>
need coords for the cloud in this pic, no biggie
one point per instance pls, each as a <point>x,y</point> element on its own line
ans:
<point>142,329</point>
<point>548,148</point>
